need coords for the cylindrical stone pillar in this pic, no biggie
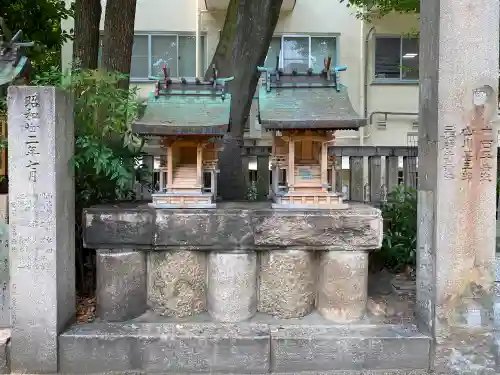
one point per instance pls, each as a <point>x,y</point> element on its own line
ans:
<point>232,286</point>
<point>177,282</point>
<point>286,283</point>
<point>121,284</point>
<point>342,285</point>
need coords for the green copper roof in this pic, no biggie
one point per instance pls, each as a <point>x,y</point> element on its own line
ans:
<point>9,72</point>
<point>306,102</point>
<point>185,109</point>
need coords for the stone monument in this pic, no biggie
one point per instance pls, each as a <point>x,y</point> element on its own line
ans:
<point>42,224</point>
<point>459,52</point>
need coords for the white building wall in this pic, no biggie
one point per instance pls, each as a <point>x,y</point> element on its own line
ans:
<point>396,97</point>
<point>318,18</point>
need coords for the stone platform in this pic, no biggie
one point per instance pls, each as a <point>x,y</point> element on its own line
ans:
<point>310,344</point>
<point>243,288</point>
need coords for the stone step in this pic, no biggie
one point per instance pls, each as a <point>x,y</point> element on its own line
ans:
<point>250,348</point>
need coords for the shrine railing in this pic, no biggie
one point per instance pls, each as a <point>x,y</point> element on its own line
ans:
<point>363,173</point>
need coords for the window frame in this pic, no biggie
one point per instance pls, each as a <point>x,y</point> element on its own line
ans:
<point>309,36</point>
<point>391,81</point>
<point>151,34</point>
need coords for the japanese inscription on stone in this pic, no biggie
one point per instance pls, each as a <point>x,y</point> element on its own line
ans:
<point>478,141</point>
<point>31,207</point>
<point>32,126</point>
<point>450,135</point>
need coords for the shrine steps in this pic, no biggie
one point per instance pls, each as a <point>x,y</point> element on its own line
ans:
<point>184,178</point>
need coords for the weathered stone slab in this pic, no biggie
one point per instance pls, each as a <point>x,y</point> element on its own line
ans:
<point>177,282</point>
<point>121,284</point>
<point>211,229</point>
<point>126,226</point>
<point>232,286</point>
<point>165,348</point>
<point>42,224</point>
<point>233,229</point>
<point>296,348</point>
<point>342,285</point>
<point>287,283</point>
<point>356,228</point>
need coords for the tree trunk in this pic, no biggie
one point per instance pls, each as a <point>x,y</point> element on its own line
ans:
<point>243,46</point>
<point>118,37</point>
<point>86,43</point>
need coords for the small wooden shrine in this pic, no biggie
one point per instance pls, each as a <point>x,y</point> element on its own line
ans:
<point>303,110</point>
<point>187,116</point>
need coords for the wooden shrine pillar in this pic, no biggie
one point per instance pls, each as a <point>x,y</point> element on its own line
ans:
<point>333,178</point>
<point>291,164</point>
<point>324,166</point>
<point>199,164</point>
<point>170,168</point>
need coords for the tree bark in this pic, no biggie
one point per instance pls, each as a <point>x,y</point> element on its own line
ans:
<point>86,42</point>
<point>118,37</point>
<point>243,46</point>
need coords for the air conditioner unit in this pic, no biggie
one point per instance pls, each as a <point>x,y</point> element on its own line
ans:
<point>381,124</point>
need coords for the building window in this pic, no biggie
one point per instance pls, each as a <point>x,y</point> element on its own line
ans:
<point>301,52</point>
<point>396,58</point>
<point>178,52</point>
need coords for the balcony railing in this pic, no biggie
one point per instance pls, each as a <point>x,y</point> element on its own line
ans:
<point>218,5</point>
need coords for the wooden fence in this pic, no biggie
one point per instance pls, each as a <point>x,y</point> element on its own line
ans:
<point>372,171</point>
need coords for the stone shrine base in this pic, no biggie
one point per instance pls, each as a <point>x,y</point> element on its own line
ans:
<point>384,342</point>
<point>238,289</point>
<point>261,346</point>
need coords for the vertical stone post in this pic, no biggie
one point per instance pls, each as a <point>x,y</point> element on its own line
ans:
<point>262,177</point>
<point>375,178</point>
<point>276,179</point>
<point>4,276</point>
<point>170,170</point>
<point>339,178</point>
<point>391,172</point>
<point>459,53</point>
<point>356,187</point>
<point>149,162</point>
<point>244,168</point>
<point>213,182</point>
<point>498,197</point>
<point>410,171</point>
<point>42,224</point>
<point>290,175</point>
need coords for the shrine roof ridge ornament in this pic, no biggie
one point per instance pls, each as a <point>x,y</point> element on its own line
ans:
<point>166,85</point>
<point>186,107</point>
<point>12,61</point>
<point>328,77</point>
<point>306,100</point>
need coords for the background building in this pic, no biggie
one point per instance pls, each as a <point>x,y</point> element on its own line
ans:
<point>382,57</point>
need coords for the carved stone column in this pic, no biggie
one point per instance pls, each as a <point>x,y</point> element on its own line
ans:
<point>457,154</point>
